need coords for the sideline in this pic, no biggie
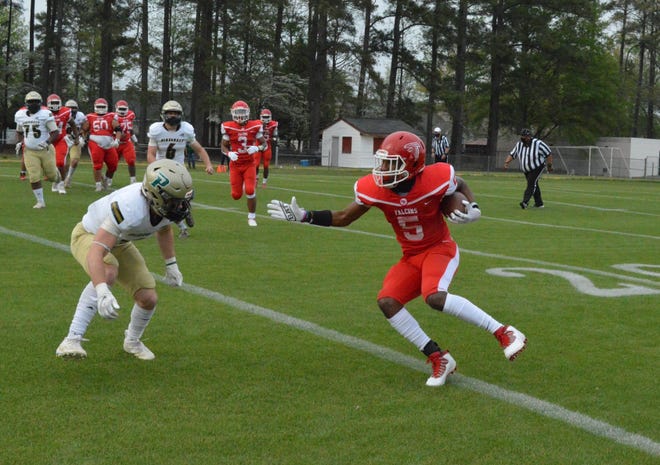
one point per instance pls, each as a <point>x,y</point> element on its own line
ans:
<point>547,409</point>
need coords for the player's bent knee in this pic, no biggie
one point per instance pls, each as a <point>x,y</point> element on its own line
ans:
<point>437,300</point>
<point>389,306</point>
<point>146,298</point>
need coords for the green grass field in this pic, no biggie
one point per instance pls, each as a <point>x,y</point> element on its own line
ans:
<point>274,351</point>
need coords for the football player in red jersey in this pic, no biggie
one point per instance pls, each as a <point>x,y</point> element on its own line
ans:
<point>126,149</point>
<point>103,129</point>
<point>66,126</point>
<point>270,134</point>
<point>241,139</point>
<point>409,194</point>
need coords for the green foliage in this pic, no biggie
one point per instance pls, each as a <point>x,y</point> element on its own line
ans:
<point>229,385</point>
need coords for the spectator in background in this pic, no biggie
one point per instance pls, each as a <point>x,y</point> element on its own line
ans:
<point>439,146</point>
<point>533,156</point>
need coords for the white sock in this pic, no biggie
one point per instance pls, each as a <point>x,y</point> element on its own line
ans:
<point>139,320</point>
<point>39,194</point>
<point>462,308</point>
<point>252,216</point>
<point>71,171</point>
<point>132,179</point>
<point>407,326</point>
<point>85,311</point>
<point>182,225</point>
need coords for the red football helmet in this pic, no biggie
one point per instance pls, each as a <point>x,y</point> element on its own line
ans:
<point>266,116</point>
<point>54,102</point>
<point>240,112</point>
<point>100,106</point>
<point>121,107</point>
<point>401,156</point>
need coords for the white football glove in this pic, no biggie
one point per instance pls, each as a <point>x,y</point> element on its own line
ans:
<point>43,145</point>
<point>106,302</point>
<point>69,140</point>
<point>81,141</point>
<point>472,213</point>
<point>284,211</point>
<point>233,156</point>
<point>114,144</point>
<point>19,149</point>
<point>251,150</point>
<point>134,138</point>
<point>173,276</point>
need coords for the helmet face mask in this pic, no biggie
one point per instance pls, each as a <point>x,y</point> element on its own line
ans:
<point>121,107</point>
<point>266,116</point>
<point>54,102</point>
<point>172,113</point>
<point>401,157</point>
<point>100,106</point>
<point>167,185</point>
<point>240,112</point>
<point>33,101</point>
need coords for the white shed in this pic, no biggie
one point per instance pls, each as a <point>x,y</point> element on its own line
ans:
<point>352,142</point>
<point>637,157</point>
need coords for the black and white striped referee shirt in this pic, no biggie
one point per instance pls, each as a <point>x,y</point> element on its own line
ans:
<point>531,157</point>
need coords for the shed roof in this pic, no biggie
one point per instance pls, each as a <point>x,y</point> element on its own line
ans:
<point>378,126</point>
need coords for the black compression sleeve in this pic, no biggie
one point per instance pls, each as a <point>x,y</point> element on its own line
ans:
<point>319,217</point>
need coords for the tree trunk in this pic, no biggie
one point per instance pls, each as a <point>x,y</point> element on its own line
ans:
<point>144,68</point>
<point>457,136</point>
<point>394,63</point>
<point>105,68</point>
<point>166,82</point>
<point>201,85</point>
<point>496,73</point>
<point>365,60</point>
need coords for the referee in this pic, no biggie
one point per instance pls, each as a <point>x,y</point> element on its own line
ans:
<point>533,156</point>
<point>439,146</point>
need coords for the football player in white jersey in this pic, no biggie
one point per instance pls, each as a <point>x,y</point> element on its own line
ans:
<point>36,130</point>
<point>167,140</point>
<point>75,144</point>
<point>103,245</point>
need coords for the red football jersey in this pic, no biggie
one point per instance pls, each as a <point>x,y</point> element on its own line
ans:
<point>270,131</point>
<point>126,125</point>
<point>415,217</point>
<point>62,117</point>
<point>241,137</point>
<point>101,125</point>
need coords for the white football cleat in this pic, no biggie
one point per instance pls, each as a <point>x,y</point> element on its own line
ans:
<point>512,340</point>
<point>443,365</point>
<point>70,348</point>
<point>60,187</point>
<point>39,205</point>
<point>252,222</point>
<point>137,348</point>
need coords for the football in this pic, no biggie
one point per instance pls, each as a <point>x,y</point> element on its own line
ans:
<point>452,202</point>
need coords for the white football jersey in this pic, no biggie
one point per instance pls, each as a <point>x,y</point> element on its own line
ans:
<point>171,144</point>
<point>123,213</point>
<point>35,127</point>
<point>79,119</point>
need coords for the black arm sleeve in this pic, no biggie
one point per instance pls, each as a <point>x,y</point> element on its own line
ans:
<point>318,217</point>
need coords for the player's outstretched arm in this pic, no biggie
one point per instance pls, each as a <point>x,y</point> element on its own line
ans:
<point>293,212</point>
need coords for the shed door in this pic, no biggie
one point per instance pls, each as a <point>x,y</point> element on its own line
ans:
<point>334,152</point>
